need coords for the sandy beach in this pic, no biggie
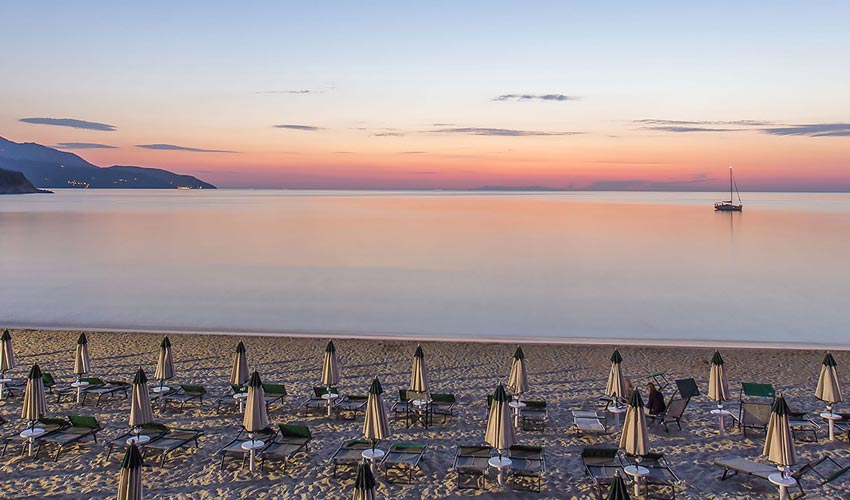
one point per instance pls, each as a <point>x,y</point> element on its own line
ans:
<point>566,376</point>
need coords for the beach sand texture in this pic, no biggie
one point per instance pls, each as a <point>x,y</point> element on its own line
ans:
<point>566,376</point>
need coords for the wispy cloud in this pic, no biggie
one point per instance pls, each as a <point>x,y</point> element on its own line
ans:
<point>442,124</point>
<point>388,134</point>
<point>812,130</point>
<point>504,132</point>
<point>681,129</point>
<point>306,128</point>
<point>738,123</point>
<point>173,147</point>
<point>291,92</point>
<point>412,152</point>
<point>70,122</point>
<point>536,97</point>
<point>82,145</point>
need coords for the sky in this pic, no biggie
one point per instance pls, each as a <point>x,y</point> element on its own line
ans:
<point>431,95</point>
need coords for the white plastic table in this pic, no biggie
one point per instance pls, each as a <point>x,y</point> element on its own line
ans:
<point>251,446</point>
<point>329,397</point>
<point>139,440</point>
<point>30,435</point>
<point>240,398</point>
<point>783,482</point>
<point>79,385</point>
<point>517,406</point>
<point>617,411</point>
<point>638,473</point>
<point>500,464</point>
<point>160,389</point>
<point>421,408</point>
<point>831,418</point>
<point>721,416</point>
<point>373,456</point>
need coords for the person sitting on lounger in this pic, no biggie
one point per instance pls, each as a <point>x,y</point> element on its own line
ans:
<point>629,389</point>
<point>655,404</point>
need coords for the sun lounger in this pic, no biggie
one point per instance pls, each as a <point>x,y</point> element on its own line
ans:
<point>661,474</point>
<point>589,421</point>
<point>316,403</point>
<point>534,416</point>
<point>80,427</point>
<point>401,408</point>
<point>172,440</point>
<point>659,379</point>
<point>234,448</point>
<point>471,464</point>
<point>400,456</point>
<point>443,405</point>
<point>827,469</point>
<point>106,389</point>
<point>349,453</point>
<point>227,399</point>
<point>152,430</point>
<point>754,415</point>
<point>273,393</point>
<point>528,466</point>
<point>50,426</point>
<point>349,406</point>
<point>732,466</point>
<point>186,394</point>
<point>673,413</point>
<point>291,440</point>
<point>753,392</point>
<point>804,426</point>
<point>602,464</point>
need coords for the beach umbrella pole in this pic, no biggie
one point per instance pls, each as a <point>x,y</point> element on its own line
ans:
<point>3,380</point>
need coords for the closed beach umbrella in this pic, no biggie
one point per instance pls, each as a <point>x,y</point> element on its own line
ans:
<point>419,374</point>
<point>130,477</point>
<point>165,363</point>
<point>718,387</point>
<point>81,356</point>
<point>364,484</point>
<point>518,379</point>
<point>256,414</point>
<point>500,430</point>
<point>7,355</point>
<point>779,444</point>
<point>828,390</point>
<point>35,406</point>
<point>616,385</point>
<point>239,373</point>
<point>375,426</point>
<point>140,404</point>
<point>617,490</point>
<point>635,437</point>
<point>330,368</point>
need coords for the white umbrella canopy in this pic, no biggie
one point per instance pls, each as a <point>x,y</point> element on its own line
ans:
<point>365,484</point>
<point>239,372</point>
<point>82,363</point>
<point>256,416</point>
<point>375,426</point>
<point>130,477</point>
<point>140,402</point>
<point>518,378</point>
<point>35,406</point>
<point>616,385</point>
<point>718,386</point>
<point>165,362</point>
<point>7,354</point>
<point>635,436</point>
<point>500,433</point>
<point>330,367</point>
<point>779,443</point>
<point>829,389</point>
<point>419,373</point>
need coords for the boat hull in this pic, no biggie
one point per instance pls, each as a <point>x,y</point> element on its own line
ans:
<point>728,207</point>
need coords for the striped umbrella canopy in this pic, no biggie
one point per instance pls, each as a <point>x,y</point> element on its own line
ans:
<point>365,484</point>
<point>635,437</point>
<point>82,364</point>
<point>616,385</point>
<point>35,406</point>
<point>419,374</point>
<point>718,386</point>
<point>779,443</point>
<point>376,427</point>
<point>617,490</point>
<point>330,367</point>
<point>239,373</point>
<point>256,414</point>
<point>500,432</point>
<point>7,355</point>
<point>165,363</point>
<point>828,390</point>
<point>518,379</point>
<point>130,477</point>
<point>140,404</point>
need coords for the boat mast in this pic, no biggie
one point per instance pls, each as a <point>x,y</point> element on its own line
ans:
<point>731,199</point>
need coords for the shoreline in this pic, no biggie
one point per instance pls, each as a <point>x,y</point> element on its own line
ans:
<point>425,337</point>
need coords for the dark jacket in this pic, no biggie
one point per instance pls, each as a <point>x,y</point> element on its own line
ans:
<point>655,404</point>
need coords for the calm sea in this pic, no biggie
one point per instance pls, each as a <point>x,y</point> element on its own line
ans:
<point>442,264</point>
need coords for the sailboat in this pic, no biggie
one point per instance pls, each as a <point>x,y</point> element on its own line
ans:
<point>730,206</point>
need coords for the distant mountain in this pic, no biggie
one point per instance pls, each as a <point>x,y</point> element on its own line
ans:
<point>16,183</point>
<point>49,168</point>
